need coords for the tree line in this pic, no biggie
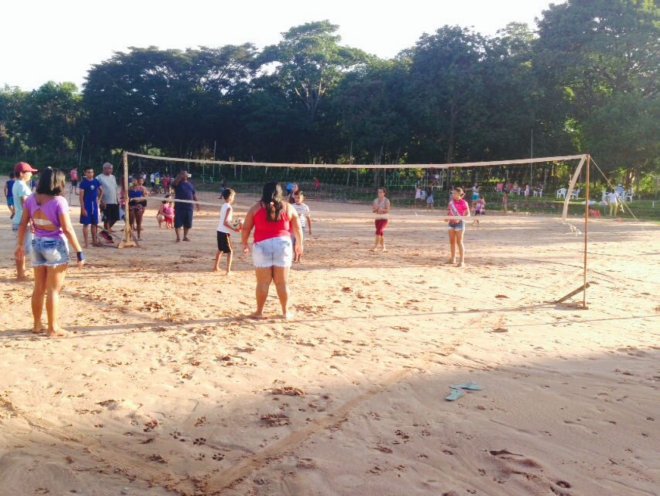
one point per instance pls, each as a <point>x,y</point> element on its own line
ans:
<point>584,82</point>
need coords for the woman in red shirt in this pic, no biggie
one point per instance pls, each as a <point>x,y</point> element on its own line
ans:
<point>273,220</point>
<point>458,207</point>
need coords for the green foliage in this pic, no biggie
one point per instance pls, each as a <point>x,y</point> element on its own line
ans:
<point>600,60</point>
<point>587,82</point>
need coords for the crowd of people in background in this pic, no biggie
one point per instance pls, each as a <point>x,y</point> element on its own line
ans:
<point>42,227</point>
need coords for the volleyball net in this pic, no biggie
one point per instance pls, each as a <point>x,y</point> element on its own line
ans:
<point>543,185</point>
<point>558,186</point>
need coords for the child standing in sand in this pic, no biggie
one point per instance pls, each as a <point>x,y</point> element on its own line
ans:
<point>429,199</point>
<point>305,220</point>
<point>458,208</point>
<point>479,208</point>
<point>381,207</point>
<point>225,228</point>
<point>90,191</point>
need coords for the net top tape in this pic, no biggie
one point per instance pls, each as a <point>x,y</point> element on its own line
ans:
<point>523,161</point>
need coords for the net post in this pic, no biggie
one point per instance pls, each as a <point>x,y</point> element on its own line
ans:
<point>586,234</point>
<point>127,242</point>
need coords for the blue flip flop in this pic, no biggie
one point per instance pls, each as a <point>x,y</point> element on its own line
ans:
<point>455,394</point>
<point>470,386</point>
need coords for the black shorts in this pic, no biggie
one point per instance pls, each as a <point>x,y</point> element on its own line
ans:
<point>224,243</point>
<point>183,218</point>
<point>111,213</point>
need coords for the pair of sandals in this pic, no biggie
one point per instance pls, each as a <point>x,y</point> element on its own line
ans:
<point>458,391</point>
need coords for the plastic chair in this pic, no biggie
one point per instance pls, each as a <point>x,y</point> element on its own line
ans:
<point>574,194</point>
<point>561,193</point>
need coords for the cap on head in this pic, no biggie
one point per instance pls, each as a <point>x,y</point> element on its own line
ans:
<point>23,167</point>
<point>107,165</point>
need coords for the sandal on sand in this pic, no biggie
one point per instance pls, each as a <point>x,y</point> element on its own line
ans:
<point>470,386</point>
<point>455,394</point>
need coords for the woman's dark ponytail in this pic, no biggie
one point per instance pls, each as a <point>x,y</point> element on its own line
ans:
<point>272,201</point>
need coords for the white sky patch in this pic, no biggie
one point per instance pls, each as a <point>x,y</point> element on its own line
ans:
<point>59,41</point>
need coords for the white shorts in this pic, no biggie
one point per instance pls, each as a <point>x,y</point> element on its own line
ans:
<point>273,252</point>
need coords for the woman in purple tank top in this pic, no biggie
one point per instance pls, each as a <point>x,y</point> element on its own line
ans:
<point>48,212</point>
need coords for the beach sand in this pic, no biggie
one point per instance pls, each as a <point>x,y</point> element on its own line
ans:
<point>164,386</point>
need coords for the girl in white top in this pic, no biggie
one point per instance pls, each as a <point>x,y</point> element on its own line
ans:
<point>225,228</point>
<point>381,207</point>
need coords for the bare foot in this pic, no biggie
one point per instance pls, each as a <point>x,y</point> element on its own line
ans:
<point>256,316</point>
<point>58,332</point>
<point>228,273</point>
<point>178,240</point>
<point>384,249</point>
<point>186,239</point>
<point>451,261</point>
<point>289,315</point>
<point>38,328</point>
<point>216,269</point>
<point>460,264</point>
<point>372,249</point>
<point>22,278</point>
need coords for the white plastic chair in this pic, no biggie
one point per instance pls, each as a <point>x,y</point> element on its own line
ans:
<point>537,192</point>
<point>561,193</point>
<point>575,194</point>
<point>627,196</point>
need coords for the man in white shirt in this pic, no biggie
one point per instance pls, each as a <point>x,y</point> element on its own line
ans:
<point>109,202</point>
<point>613,201</point>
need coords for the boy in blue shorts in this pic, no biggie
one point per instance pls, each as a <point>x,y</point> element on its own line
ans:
<point>90,190</point>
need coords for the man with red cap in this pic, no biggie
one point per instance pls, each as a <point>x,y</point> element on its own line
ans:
<point>21,190</point>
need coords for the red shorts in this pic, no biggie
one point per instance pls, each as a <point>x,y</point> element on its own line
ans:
<point>381,224</point>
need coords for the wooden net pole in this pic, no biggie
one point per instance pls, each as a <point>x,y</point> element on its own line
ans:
<point>586,233</point>
<point>127,242</point>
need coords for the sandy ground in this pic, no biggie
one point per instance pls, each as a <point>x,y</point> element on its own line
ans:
<point>165,387</point>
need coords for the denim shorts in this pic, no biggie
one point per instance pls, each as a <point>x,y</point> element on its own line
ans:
<point>273,252</point>
<point>28,238</point>
<point>457,227</point>
<point>49,252</point>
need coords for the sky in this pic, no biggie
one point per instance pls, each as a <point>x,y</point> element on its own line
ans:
<point>60,40</point>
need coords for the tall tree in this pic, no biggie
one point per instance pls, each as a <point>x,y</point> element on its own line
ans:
<point>53,119</point>
<point>599,59</point>
<point>170,99</point>
<point>445,93</point>
<point>369,104</point>
<point>12,101</point>
<point>310,62</point>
